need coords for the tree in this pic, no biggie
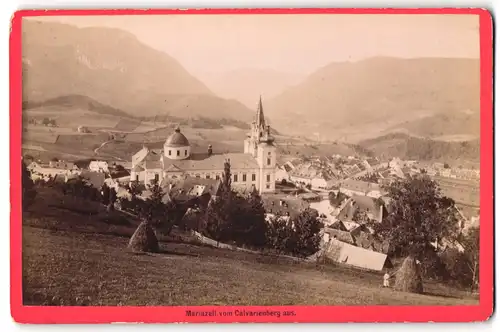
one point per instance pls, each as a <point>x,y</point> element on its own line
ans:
<point>336,199</point>
<point>217,216</point>
<point>215,222</point>
<point>446,165</point>
<point>471,250</point>
<point>360,217</point>
<point>46,121</point>
<point>134,189</point>
<point>420,216</point>
<point>305,238</point>
<point>28,187</point>
<point>28,158</point>
<point>247,223</point>
<point>105,191</point>
<point>112,199</point>
<point>278,234</point>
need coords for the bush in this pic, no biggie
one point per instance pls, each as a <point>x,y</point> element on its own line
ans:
<point>299,236</point>
<point>28,187</point>
<point>279,232</point>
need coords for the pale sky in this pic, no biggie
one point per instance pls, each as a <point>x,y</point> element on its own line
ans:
<point>293,43</point>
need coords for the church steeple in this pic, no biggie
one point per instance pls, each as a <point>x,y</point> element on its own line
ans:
<point>260,121</point>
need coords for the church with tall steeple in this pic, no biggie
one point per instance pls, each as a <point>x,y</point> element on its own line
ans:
<point>252,169</point>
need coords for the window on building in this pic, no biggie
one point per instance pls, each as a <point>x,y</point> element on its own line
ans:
<point>235,178</point>
<point>253,177</point>
<point>268,177</point>
<point>207,176</point>
<point>267,186</point>
<point>137,177</point>
<point>269,153</point>
<point>185,152</point>
<point>169,152</point>
<point>217,177</point>
<point>244,177</point>
<point>197,175</point>
<point>268,161</point>
<point>178,153</point>
<point>157,177</point>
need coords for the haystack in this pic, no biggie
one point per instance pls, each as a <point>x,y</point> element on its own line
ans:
<point>408,277</point>
<point>144,239</point>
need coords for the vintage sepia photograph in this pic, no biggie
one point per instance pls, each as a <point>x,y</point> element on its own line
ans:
<point>251,160</point>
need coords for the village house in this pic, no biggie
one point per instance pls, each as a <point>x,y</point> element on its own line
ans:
<point>52,169</point>
<point>351,187</point>
<point>281,174</point>
<point>374,209</point>
<point>283,206</point>
<point>99,166</point>
<point>337,251</point>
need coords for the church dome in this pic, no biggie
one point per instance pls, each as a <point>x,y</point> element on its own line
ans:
<point>177,139</point>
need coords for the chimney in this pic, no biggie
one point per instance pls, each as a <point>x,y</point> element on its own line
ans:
<point>210,149</point>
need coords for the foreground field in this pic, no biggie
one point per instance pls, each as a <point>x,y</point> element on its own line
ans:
<point>72,258</point>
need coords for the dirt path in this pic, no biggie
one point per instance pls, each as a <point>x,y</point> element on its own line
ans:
<point>96,151</point>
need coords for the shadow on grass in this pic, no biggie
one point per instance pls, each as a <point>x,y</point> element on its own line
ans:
<point>162,252</point>
<point>440,294</point>
<point>175,253</point>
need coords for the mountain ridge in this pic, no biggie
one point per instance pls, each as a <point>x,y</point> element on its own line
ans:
<point>377,90</point>
<point>114,68</point>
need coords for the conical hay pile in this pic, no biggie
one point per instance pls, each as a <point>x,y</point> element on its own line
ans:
<point>144,239</point>
<point>408,277</point>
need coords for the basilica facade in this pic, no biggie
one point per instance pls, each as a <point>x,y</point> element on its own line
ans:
<point>253,168</point>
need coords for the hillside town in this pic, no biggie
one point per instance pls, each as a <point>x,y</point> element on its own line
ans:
<point>347,191</point>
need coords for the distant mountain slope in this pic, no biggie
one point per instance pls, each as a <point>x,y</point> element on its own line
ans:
<point>408,147</point>
<point>461,124</point>
<point>377,90</point>
<point>114,68</point>
<point>70,102</point>
<point>245,85</point>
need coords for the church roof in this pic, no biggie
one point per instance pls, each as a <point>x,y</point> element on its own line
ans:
<point>177,139</point>
<point>207,162</point>
<point>140,155</point>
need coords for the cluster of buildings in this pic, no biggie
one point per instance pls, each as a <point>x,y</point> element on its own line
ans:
<point>447,171</point>
<point>193,177</point>
<point>324,172</point>
<point>252,168</point>
<point>96,172</point>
